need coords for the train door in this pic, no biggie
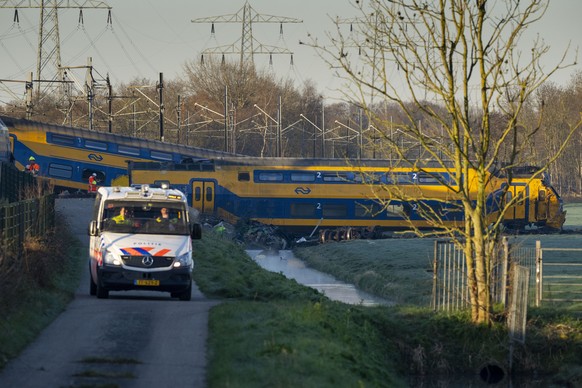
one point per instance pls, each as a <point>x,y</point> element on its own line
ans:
<point>518,212</point>
<point>542,206</point>
<point>203,193</point>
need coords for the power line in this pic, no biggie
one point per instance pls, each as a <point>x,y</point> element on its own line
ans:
<point>248,46</point>
<point>49,44</point>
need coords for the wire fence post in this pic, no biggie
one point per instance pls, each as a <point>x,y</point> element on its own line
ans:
<point>539,274</point>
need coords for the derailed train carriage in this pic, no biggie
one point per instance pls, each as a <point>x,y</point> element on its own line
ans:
<point>68,156</point>
<point>343,199</point>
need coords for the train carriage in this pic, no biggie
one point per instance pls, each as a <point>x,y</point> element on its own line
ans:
<point>299,195</point>
<point>69,156</point>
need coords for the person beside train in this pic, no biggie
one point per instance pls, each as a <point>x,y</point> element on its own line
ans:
<point>32,167</point>
<point>92,184</point>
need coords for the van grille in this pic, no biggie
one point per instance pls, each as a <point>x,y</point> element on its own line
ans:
<point>138,261</point>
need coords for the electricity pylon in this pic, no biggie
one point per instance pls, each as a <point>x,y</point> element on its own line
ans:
<point>248,44</point>
<point>49,42</point>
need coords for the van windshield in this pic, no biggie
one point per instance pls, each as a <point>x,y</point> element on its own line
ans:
<point>145,218</point>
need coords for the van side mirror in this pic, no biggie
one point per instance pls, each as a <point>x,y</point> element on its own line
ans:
<point>196,231</point>
<point>92,228</point>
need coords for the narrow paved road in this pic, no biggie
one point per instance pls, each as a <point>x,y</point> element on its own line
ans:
<point>132,339</point>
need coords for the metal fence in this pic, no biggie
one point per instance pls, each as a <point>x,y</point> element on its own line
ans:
<point>450,285</point>
<point>21,218</point>
<point>558,275</point>
<point>13,183</point>
<point>556,279</point>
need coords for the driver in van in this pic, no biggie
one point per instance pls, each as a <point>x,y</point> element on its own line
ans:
<point>165,216</point>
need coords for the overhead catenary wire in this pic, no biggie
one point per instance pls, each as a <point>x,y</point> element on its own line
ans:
<point>142,56</point>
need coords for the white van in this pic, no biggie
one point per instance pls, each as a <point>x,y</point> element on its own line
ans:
<point>141,238</point>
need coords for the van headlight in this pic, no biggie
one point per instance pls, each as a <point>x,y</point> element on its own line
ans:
<point>184,260</point>
<point>111,259</point>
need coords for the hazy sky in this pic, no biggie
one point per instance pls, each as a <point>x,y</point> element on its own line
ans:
<point>149,37</point>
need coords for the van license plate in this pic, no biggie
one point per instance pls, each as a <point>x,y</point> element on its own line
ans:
<point>146,282</point>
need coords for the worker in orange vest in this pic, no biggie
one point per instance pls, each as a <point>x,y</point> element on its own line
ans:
<point>92,184</point>
<point>32,166</point>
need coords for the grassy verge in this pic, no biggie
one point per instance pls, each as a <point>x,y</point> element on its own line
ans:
<point>43,283</point>
<point>270,331</point>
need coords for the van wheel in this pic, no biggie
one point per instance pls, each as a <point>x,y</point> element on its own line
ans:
<point>184,295</point>
<point>102,293</point>
<point>92,286</point>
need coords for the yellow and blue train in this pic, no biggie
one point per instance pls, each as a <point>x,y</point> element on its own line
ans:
<point>297,195</point>
<point>300,195</point>
<point>69,156</point>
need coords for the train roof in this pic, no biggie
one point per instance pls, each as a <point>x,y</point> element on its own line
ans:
<point>209,164</point>
<point>187,151</point>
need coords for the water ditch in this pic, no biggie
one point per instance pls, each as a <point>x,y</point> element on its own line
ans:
<point>284,262</point>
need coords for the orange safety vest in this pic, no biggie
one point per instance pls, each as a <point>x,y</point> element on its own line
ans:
<point>92,184</point>
<point>33,167</point>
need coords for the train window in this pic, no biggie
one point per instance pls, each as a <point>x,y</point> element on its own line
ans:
<point>62,140</point>
<point>369,210</point>
<point>97,145</point>
<point>508,197</point>
<point>60,170</point>
<point>520,197</point>
<point>367,178</point>
<point>542,195</point>
<point>302,210</point>
<point>427,179</point>
<point>335,177</point>
<point>399,178</point>
<point>334,211</point>
<point>271,176</point>
<point>244,176</point>
<point>302,177</point>
<point>209,194</point>
<point>128,150</point>
<point>197,194</point>
<point>396,210</point>
<point>160,155</point>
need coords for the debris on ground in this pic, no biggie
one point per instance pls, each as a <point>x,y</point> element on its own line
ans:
<point>251,234</point>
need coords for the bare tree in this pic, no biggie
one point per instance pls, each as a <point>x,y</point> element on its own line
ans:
<point>461,85</point>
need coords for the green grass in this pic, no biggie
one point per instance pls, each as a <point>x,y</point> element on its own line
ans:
<point>288,336</point>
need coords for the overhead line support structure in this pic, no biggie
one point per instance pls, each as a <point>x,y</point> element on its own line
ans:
<point>247,16</point>
<point>49,29</point>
